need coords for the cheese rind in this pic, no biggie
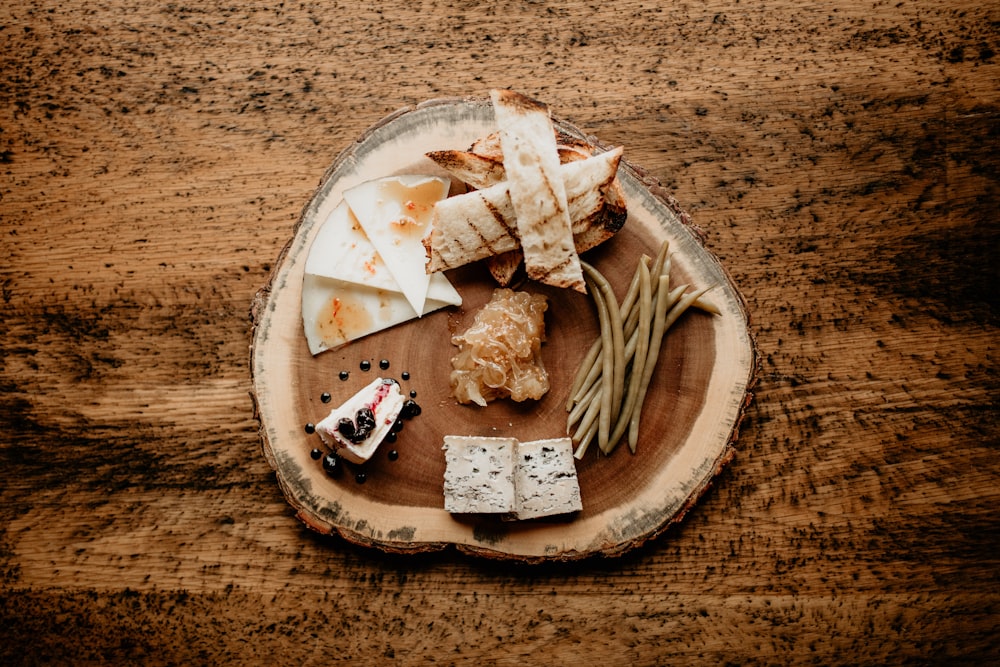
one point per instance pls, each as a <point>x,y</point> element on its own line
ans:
<point>479,474</point>
<point>545,479</point>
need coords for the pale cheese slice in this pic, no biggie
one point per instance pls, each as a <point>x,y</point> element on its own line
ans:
<point>348,291</point>
<point>395,214</point>
<point>545,479</point>
<point>383,398</point>
<point>341,251</point>
<point>479,474</point>
<point>335,312</point>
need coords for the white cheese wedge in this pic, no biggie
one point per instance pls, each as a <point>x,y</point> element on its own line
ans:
<point>385,401</point>
<point>395,214</point>
<point>479,474</point>
<point>342,251</point>
<point>335,312</point>
<point>348,291</point>
<point>545,479</point>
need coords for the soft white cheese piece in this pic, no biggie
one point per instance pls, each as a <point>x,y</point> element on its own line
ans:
<point>395,213</point>
<point>479,474</point>
<point>545,479</point>
<point>385,401</point>
<point>348,291</point>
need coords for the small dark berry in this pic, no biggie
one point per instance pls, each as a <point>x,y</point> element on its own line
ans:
<point>346,427</point>
<point>366,365</point>
<point>384,364</point>
<point>326,397</point>
<point>365,419</point>
<point>393,455</point>
<point>310,428</point>
<point>331,464</point>
<point>406,375</point>
<point>344,375</point>
<point>315,454</point>
<point>397,426</point>
<point>410,409</point>
<point>413,393</point>
<point>390,437</point>
<point>364,422</point>
<point>361,478</point>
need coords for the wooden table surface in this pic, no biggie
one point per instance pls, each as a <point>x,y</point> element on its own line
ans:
<point>840,157</point>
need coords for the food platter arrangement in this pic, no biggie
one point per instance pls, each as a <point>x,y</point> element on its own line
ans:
<point>492,332</point>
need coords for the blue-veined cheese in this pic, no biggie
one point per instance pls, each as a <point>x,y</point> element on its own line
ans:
<point>545,479</point>
<point>479,474</point>
<point>520,480</point>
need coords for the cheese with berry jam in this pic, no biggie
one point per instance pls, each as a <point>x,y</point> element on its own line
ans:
<point>356,429</point>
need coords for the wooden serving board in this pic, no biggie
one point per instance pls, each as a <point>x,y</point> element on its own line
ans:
<point>690,419</point>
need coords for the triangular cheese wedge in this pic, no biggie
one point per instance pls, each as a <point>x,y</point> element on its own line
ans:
<point>348,291</point>
<point>395,214</point>
<point>335,312</point>
<point>341,251</point>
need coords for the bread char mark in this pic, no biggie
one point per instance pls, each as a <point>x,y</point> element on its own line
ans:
<point>521,102</point>
<point>483,241</point>
<point>499,217</point>
<point>541,275</point>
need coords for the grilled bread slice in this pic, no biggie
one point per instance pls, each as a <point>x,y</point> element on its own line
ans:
<point>488,146</point>
<point>503,267</point>
<point>595,218</point>
<point>469,227</point>
<point>475,170</point>
<point>537,191</point>
<point>482,223</point>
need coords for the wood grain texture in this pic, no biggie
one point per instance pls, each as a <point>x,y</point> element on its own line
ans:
<point>840,158</point>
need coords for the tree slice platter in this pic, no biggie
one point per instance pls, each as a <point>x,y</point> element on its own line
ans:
<point>690,418</point>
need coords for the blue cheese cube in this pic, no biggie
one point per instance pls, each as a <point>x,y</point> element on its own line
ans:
<point>545,479</point>
<point>479,474</point>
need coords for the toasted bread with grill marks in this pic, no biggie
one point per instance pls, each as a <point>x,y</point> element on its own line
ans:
<point>474,170</point>
<point>482,223</point>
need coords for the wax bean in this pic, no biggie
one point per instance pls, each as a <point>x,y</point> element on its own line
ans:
<point>609,389</point>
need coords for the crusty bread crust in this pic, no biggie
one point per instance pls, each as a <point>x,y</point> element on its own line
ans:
<point>485,223</point>
<point>477,171</point>
<point>503,267</point>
